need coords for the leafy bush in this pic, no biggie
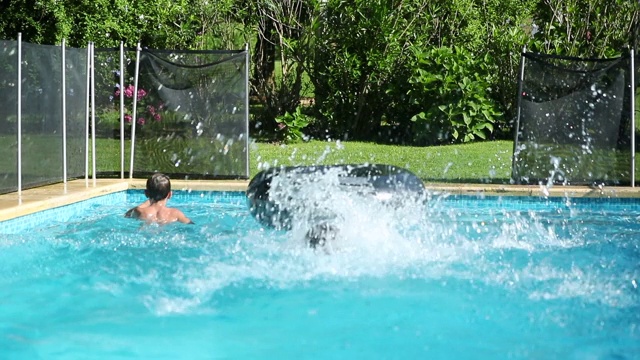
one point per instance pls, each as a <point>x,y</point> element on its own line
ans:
<point>452,85</point>
<point>291,125</point>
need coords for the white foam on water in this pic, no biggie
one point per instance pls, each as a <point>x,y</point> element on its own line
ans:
<point>167,305</point>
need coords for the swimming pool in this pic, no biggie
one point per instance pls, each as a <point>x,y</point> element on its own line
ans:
<point>460,277</point>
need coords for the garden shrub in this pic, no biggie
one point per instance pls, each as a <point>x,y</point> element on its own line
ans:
<point>453,85</point>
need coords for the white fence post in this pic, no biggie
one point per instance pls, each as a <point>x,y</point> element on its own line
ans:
<point>93,113</point>
<point>633,119</point>
<point>246,107</point>
<point>19,120</point>
<point>64,113</point>
<point>517,127</point>
<point>135,104</point>
<point>86,117</point>
<point>121,110</point>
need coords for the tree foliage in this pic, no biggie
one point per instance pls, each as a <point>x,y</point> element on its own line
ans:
<point>586,28</point>
<point>283,28</point>
<point>370,50</point>
<point>361,56</point>
<point>407,71</point>
<point>173,24</point>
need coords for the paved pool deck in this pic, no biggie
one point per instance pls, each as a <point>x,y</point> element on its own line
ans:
<point>13,205</point>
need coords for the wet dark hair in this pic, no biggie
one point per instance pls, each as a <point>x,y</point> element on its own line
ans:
<point>158,187</point>
<point>319,234</point>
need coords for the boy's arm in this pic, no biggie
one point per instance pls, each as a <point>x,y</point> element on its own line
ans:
<point>182,218</point>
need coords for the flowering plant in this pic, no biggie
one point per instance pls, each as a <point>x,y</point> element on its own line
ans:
<point>146,111</point>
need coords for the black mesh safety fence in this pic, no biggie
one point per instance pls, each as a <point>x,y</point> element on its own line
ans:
<point>35,155</point>
<point>191,119</point>
<point>574,121</point>
<point>184,113</point>
<point>76,111</point>
<point>108,118</point>
<point>41,115</point>
<point>8,115</point>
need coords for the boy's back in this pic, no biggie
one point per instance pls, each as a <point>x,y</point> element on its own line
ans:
<point>155,209</point>
<point>156,213</point>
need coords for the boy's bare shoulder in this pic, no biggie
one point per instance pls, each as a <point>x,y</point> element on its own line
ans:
<point>180,216</point>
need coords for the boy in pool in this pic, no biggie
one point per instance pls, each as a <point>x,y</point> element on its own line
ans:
<point>155,209</point>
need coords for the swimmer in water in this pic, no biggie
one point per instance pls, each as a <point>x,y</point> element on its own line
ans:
<point>155,209</point>
<point>319,234</point>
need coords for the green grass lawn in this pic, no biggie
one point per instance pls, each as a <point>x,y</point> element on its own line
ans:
<point>477,162</point>
<point>482,162</point>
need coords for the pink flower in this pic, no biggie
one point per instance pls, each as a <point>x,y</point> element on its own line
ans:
<point>117,93</point>
<point>141,93</point>
<point>157,117</point>
<point>128,118</point>
<point>128,92</point>
<point>140,121</point>
<point>151,109</point>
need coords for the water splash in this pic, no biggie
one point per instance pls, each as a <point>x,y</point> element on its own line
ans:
<point>430,238</point>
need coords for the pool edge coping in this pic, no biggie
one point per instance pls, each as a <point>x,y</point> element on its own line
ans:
<point>537,190</point>
<point>42,198</point>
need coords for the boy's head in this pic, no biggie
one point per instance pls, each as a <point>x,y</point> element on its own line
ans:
<point>158,187</point>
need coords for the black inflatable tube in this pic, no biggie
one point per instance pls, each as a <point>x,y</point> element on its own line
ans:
<point>377,179</point>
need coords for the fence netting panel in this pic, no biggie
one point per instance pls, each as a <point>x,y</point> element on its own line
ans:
<point>191,114</point>
<point>41,115</point>
<point>574,125</point>
<point>107,108</point>
<point>76,109</point>
<point>8,116</point>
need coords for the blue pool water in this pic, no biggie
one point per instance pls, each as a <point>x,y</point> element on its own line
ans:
<point>459,277</point>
